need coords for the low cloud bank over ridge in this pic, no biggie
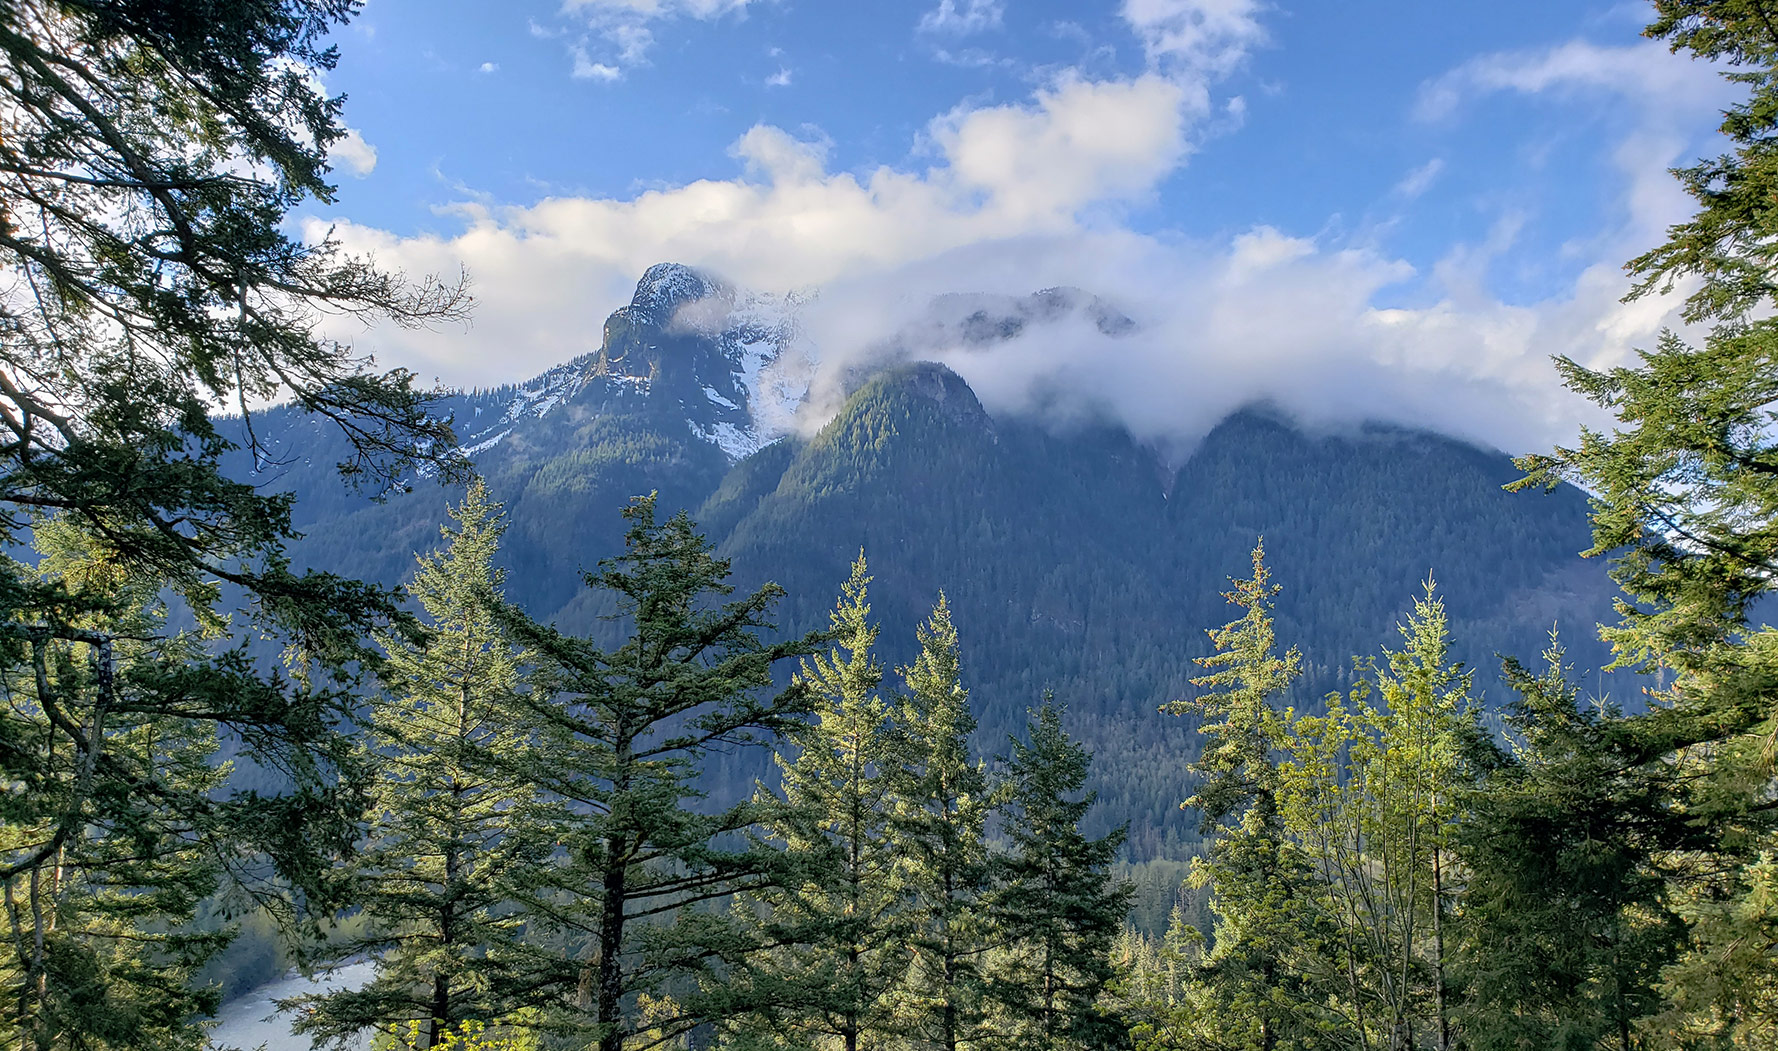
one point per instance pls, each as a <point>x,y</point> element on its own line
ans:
<point>1032,195</point>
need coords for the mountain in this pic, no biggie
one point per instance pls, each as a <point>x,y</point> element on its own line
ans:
<point>1076,559</point>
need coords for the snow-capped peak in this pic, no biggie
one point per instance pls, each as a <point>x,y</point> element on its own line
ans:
<point>667,287</point>
<point>736,361</point>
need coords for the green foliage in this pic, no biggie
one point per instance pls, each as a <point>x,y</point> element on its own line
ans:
<point>1251,989</point>
<point>159,282</point>
<point>1565,925</point>
<point>152,153</point>
<point>621,740</point>
<point>1685,488</point>
<point>940,830</point>
<point>1371,794</point>
<point>464,1036</point>
<point>118,819</point>
<point>448,741</point>
<point>1155,991</point>
<point>845,921</point>
<point>1727,241</point>
<point>1239,774</point>
<point>1056,909</point>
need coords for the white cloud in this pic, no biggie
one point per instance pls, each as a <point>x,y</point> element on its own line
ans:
<point>488,67</point>
<point>978,16</point>
<point>1083,141</point>
<point>1418,181</point>
<point>624,26</point>
<point>780,79</point>
<point>586,69</point>
<point>1015,199</point>
<point>632,40</point>
<point>354,153</point>
<point>660,8</point>
<point>773,155</point>
<point>1648,73</point>
<point>1203,38</point>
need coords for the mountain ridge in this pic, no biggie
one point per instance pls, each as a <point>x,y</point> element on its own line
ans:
<point>1076,557</point>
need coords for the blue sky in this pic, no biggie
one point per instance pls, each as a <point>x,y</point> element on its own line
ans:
<point>1372,208</point>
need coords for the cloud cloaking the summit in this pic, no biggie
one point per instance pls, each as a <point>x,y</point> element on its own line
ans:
<point>1027,195</point>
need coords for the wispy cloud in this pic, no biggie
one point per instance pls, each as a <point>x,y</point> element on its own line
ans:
<point>632,40</point>
<point>1648,72</point>
<point>1199,38</point>
<point>624,27</point>
<point>780,79</point>
<point>976,16</point>
<point>488,67</point>
<point>660,8</point>
<point>1418,181</point>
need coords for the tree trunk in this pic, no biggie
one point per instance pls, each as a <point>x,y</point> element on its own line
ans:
<point>1438,947</point>
<point>949,1019</point>
<point>614,907</point>
<point>441,1010</point>
<point>948,1022</point>
<point>611,938</point>
<point>1623,1011</point>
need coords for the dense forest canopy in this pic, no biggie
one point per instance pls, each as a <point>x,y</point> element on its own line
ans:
<point>528,821</point>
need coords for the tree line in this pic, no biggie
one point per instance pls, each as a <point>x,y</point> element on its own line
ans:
<point>1391,873</point>
<point>508,816</point>
<point>536,866</point>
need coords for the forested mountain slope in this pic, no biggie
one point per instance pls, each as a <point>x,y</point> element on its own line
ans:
<point>1075,558</point>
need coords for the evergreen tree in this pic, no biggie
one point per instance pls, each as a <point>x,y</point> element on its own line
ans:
<point>1564,927</point>
<point>1369,791</point>
<point>112,847</point>
<point>447,741</point>
<point>1157,993</point>
<point>622,737</point>
<point>1250,990</point>
<point>940,829</point>
<point>1685,489</point>
<point>846,923</point>
<point>152,153</point>
<point>1057,908</point>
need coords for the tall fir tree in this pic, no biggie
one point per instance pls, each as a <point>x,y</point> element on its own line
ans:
<point>450,801</point>
<point>1057,908</point>
<point>628,910</point>
<point>844,928</point>
<point>1564,927</point>
<point>1685,490</point>
<point>941,828</point>
<point>1251,989</point>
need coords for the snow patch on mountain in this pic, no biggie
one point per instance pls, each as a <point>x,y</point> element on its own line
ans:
<point>531,400</point>
<point>737,443</point>
<point>485,444</point>
<point>666,286</point>
<point>769,360</point>
<point>773,360</point>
